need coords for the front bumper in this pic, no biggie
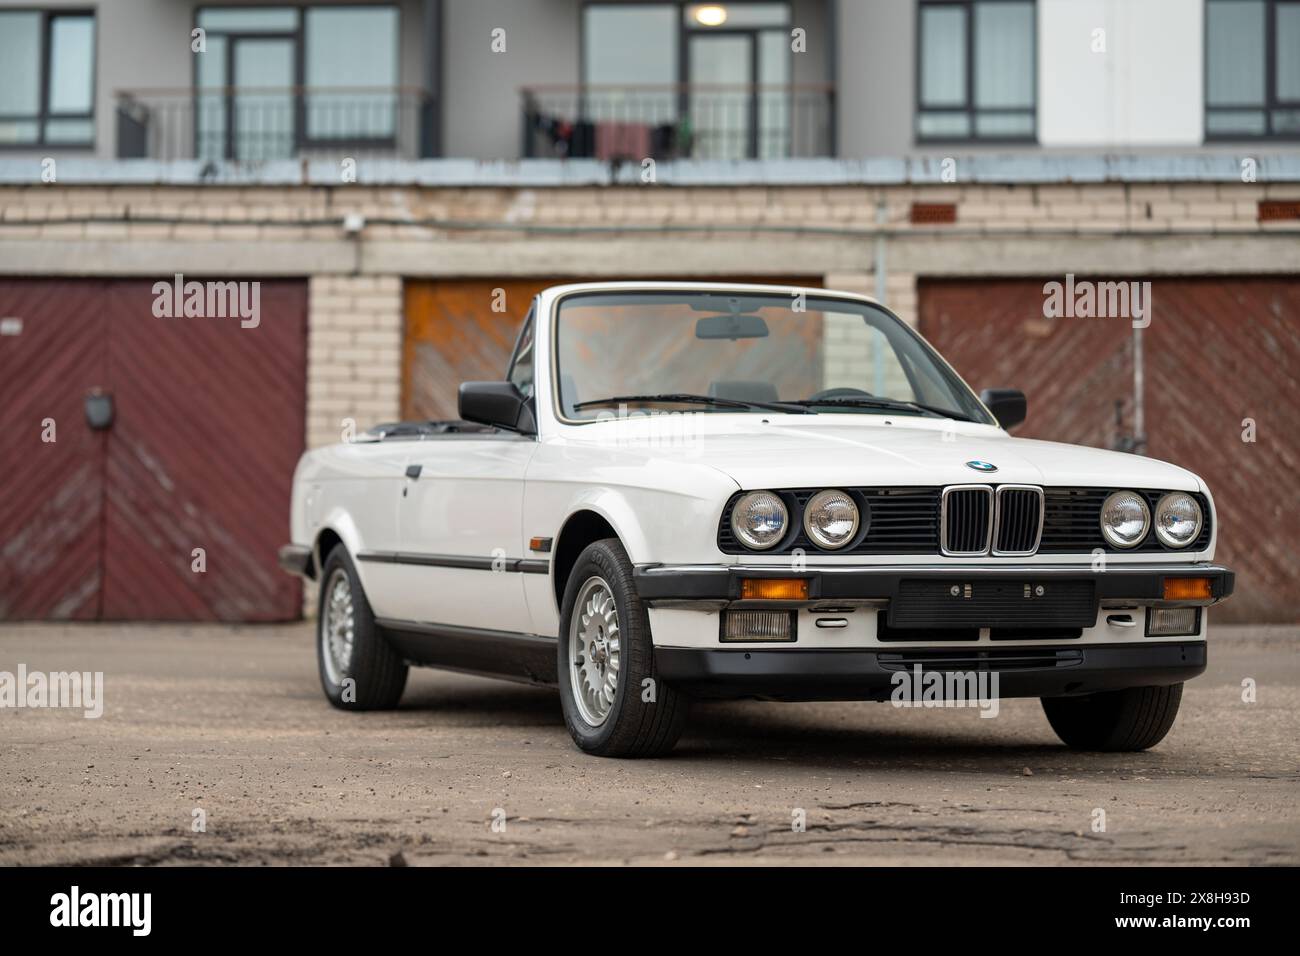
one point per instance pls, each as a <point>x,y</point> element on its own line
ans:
<point>825,674</point>
<point>719,585</point>
<point>297,559</point>
<point>939,609</point>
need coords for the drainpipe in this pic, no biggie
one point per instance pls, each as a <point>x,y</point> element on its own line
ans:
<point>1139,395</point>
<point>880,251</point>
<point>878,351</point>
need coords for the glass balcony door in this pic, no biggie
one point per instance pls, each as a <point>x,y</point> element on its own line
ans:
<point>244,104</point>
<point>739,93</point>
<point>263,71</point>
<point>722,109</point>
<point>670,80</point>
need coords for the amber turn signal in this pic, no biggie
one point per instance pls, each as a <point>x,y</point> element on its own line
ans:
<point>1188,589</point>
<point>774,589</point>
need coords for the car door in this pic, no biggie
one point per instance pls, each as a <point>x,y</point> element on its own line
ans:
<point>369,494</point>
<point>461,523</point>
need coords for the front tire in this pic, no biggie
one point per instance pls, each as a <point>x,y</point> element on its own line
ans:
<point>1121,720</point>
<point>358,668</point>
<point>614,703</point>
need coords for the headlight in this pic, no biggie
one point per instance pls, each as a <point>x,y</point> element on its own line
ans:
<point>831,519</point>
<point>1125,519</point>
<point>759,520</point>
<point>1178,519</point>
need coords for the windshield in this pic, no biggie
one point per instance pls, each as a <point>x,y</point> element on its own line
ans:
<point>747,352</point>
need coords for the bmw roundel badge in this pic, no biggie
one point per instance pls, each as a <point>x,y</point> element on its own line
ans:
<point>981,466</point>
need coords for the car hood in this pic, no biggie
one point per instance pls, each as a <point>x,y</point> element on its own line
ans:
<point>802,451</point>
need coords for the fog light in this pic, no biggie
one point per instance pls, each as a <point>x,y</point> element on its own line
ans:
<point>1173,622</point>
<point>758,626</point>
<point>1188,589</point>
<point>774,589</point>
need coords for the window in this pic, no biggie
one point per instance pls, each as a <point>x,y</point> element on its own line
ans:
<point>749,349</point>
<point>256,58</point>
<point>521,363</point>
<point>629,68</point>
<point>1252,69</point>
<point>629,45</point>
<point>976,70</point>
<point>854,351</point>
<point>47,78</point>
<point>353,50</point>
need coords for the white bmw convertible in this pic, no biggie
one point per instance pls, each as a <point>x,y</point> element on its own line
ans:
<point>685,490</point>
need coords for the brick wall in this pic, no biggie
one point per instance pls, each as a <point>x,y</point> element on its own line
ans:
<point>354,354</point>
<point>245,214</point>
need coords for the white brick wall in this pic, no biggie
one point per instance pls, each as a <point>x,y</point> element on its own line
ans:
<point>354,354</point>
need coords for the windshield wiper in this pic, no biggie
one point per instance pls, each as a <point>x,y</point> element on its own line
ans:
<point>687,398</point>
<point>885,403</point>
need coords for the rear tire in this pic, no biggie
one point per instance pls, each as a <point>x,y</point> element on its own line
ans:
<point>1121,720</point>
<point>614,703</point>
<point>358,668</point>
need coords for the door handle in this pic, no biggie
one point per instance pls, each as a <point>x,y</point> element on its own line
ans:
<point>413,471</point>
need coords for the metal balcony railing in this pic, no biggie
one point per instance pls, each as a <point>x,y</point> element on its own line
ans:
<point>631,123</point>
<point>261,123</point>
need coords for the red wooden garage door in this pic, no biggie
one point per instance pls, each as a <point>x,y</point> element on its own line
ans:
<point>1218,351</point>
<point>207,427</point>
<point>51,351</point>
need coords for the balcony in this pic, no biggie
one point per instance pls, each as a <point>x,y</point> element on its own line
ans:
<point>253,124</point>
<point>631,123</point>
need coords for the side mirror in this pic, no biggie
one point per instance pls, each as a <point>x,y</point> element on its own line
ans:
<point>500,404</point>
<point>1008,405</point>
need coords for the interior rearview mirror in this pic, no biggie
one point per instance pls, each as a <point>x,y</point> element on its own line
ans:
<point>736,326</point>
<point>500,404</point>
<point>1008,405</point>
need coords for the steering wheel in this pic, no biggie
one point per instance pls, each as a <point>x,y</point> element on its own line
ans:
<point>842,392</point>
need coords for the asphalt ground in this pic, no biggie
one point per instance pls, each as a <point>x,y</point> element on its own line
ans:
<point>228,726</point>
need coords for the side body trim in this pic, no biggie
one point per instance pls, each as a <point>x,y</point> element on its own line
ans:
<point>473,562</point>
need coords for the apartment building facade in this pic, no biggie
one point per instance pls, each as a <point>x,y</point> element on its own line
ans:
<point>397,180</point>
<point>411,79</point>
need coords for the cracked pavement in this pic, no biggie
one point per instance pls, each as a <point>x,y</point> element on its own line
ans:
<point>231,720</point>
